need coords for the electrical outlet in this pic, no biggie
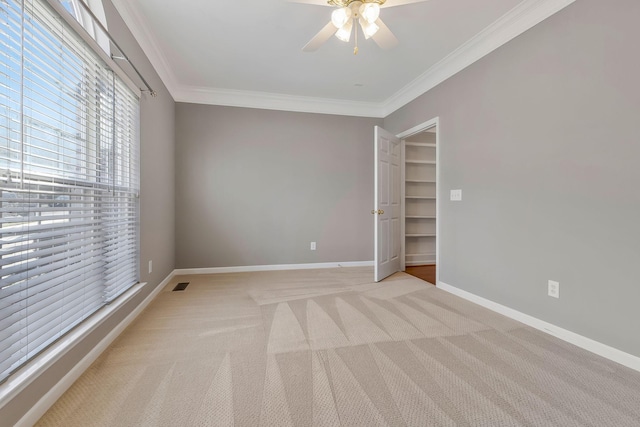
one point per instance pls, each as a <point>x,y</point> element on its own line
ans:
<point>313,246</point>
<point>456,195</point>
<point>150,266</point>
<point>554,289</point>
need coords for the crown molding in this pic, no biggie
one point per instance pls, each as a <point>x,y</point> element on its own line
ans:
<point>524,16</point>
<point>274,101</point>
<point>144,36</point>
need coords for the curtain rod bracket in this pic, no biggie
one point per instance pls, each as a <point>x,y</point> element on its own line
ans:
<point>149,90</point>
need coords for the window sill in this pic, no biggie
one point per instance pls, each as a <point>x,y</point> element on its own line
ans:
<point>20,379</point>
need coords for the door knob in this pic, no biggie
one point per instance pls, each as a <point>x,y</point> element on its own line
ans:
<point>379,212</point>
<point>373,212</point>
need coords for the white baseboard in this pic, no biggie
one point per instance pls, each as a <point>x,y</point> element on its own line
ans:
<point>583,342</point>
<point>46,401</point>
<point>275,267</point>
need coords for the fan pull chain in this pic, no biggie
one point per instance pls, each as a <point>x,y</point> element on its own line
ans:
<point>355,49</point>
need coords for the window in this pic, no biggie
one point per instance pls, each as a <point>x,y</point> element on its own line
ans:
<point>79,12</point>
<point>68,181</point>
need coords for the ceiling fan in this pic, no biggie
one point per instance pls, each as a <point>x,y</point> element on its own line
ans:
<point>350,13</point>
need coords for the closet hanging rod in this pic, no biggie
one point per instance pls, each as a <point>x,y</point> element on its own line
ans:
<point>124,56</point>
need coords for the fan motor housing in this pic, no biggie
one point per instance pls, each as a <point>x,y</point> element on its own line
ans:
<point>346,3</point>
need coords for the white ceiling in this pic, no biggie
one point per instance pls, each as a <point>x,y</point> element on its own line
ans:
<point>248,53</point>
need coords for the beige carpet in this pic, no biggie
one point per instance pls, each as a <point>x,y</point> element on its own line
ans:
<point>331,348</point>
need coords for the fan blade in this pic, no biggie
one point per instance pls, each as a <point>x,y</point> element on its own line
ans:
<point>314,2</point>
<point>320,38</point>
<point>384,37</point>
<point>393,3</point>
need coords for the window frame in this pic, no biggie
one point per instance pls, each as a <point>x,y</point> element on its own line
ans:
<point>42,210</point>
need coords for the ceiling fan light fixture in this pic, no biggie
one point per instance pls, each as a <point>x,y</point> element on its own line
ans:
<point>344,32</point>
<point>367,15</point>
<point>368,28</point>
<point>340,17</point>
<point>370,12</point>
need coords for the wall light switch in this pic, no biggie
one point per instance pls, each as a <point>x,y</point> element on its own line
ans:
<point>313,246</point>
<point>150,266</point>
<point>456,195</point>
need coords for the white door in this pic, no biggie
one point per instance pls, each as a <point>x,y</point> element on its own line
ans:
<point>387,204</point>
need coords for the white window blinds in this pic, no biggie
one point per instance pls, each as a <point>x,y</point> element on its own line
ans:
<point>68,181</point>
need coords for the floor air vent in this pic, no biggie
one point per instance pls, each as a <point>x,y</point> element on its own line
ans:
<point>181,286</point>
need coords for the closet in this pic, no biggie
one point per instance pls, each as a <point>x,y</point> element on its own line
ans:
<point>420,198</point>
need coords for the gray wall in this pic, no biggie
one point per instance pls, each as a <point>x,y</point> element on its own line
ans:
<point>542,137</point>
<point>255,187</point>
<point>157,215</point>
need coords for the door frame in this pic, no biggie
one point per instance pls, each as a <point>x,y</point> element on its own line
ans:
<point>435,122</point>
